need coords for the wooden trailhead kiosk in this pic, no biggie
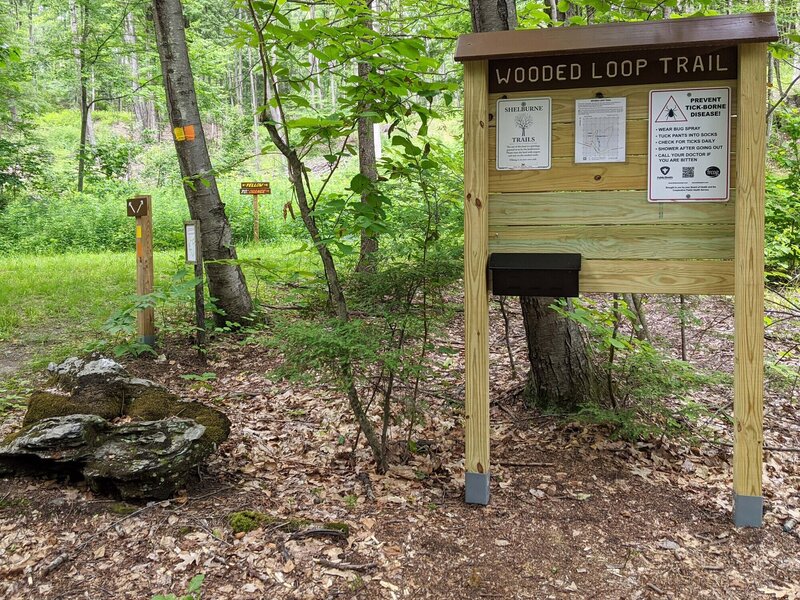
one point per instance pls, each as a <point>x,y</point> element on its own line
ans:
<point>624,157</point>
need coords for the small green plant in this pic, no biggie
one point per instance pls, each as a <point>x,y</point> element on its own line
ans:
<point>640,379</point>
<point>16,503</point>
<point>13,392</point>
<point>780,376</point>
<point>357,584</point>
<point>193,591</point>
<point>121,325</point>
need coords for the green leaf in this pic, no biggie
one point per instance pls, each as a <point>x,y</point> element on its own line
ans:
<point>359,183</point>
<point>196,583</point>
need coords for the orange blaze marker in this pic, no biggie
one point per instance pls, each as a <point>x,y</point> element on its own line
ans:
<point>188,131</point>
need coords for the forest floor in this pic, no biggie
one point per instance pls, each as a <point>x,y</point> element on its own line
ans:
<point>573,512</point>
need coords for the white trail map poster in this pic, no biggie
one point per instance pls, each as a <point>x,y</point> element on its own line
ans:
<point>689,158</point>
<point>523,134</point>
<point>600,130</point>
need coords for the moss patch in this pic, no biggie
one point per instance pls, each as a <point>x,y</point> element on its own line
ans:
<point>13,435</point>
<point>248,520</point>
<point>43,405</point>
<point>14,503</point>
<point>121,508</point>
<point>156,404</point>
<point>338,526</point>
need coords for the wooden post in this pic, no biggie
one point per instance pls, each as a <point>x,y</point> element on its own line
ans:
<point>145,318</point>
<point>255,219</point>
<point>476,296</point>
<point>194,256</point>
<point>748,378</point>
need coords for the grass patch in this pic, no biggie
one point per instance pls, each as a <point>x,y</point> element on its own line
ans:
<point>53,306</point>
<point>13,391</point>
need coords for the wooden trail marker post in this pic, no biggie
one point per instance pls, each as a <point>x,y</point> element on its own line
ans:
<point>141,207</point>
<point>193,251</point>
<point>635,151</point>
<point>255,189</point>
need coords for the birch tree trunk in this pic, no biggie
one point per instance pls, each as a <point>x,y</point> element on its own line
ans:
<point>226,281</point>
<point>254,108</point>
<point>143,109</point>
<point>366,166</point>
<point>79,29</point>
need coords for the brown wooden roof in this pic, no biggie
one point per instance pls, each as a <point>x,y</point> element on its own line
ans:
<point>696,31</point>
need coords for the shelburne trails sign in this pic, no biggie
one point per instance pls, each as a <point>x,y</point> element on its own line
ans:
<point>612,68</point>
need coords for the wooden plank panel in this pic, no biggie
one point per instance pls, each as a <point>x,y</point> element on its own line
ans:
<point>657,276</point>
<point>602,208</point>
<point>563,138</point>
<point>563,101</point>
<point>748,378</point>
<point>618,241</point>
<point>566,176</point>
<point>476,253</point>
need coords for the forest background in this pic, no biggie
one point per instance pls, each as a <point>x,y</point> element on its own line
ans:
<point>84,125</point>
<point>355,283</point>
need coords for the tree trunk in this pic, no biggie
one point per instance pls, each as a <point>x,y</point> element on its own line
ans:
<point>77,23</point>
<point>493,15</point>
<point>561,375</point>
<point>238,74</point>
<point>367,167</point>
<point>226,281</point>
<point>254,108</point>
<point>85,116</point>
<point>143,110</point>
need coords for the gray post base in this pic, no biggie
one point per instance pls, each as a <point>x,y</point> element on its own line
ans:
<point>748,511</point>
<point>476,488</point>
<point>149,340</point>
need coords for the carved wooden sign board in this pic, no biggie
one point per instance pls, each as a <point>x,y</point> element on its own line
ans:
<point>254,188</point>
<point>612,68</point>
<point>137,207</point>
<point>637,149</point>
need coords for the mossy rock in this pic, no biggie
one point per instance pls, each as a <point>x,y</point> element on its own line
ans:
<point>43,405</point>
<point>156,403</point>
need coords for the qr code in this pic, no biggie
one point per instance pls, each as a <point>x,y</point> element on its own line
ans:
<point>688,172</point>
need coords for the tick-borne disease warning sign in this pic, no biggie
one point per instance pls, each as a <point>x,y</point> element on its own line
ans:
<point>689,154</point>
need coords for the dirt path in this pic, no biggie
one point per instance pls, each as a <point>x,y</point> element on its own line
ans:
<point>13,357</point>
<point>573,514</point>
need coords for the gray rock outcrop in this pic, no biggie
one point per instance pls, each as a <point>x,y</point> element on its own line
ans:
<point>70,429</point>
